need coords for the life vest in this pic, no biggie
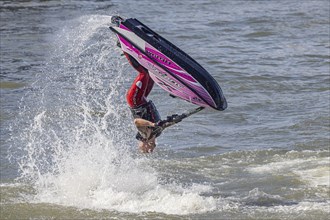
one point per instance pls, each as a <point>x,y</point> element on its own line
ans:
<point>148,112</point>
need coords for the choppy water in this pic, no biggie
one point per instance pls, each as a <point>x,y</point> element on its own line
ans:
<point>67,139</point>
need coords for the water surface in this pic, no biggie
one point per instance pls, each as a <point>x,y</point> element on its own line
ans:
<point>67,138</point>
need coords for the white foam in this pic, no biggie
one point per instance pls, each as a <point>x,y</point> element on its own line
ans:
<point>319,176</point>
<point>99,184</point>
<point>314,171</point>
<point>11,185</point>
<point>90,179</point>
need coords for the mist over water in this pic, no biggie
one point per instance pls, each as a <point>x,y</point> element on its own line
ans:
<point>67,139</point>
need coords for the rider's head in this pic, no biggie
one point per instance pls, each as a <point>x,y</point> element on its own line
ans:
<point>147,146</point>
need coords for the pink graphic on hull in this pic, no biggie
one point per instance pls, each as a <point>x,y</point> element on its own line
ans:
<point>168,63</point>
<point>167,74</point>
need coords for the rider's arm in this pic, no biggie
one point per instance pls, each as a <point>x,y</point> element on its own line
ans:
<point>139,122</point>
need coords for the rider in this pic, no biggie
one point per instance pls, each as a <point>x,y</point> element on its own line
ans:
<point>146,116</point>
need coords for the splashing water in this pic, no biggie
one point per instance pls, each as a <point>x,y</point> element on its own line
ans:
<point>74,149</point>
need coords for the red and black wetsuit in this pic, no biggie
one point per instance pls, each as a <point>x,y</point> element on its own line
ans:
<point>137,96</point>
<point>141,87</point>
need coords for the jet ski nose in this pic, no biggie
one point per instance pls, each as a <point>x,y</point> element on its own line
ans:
<point>116,20</point>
